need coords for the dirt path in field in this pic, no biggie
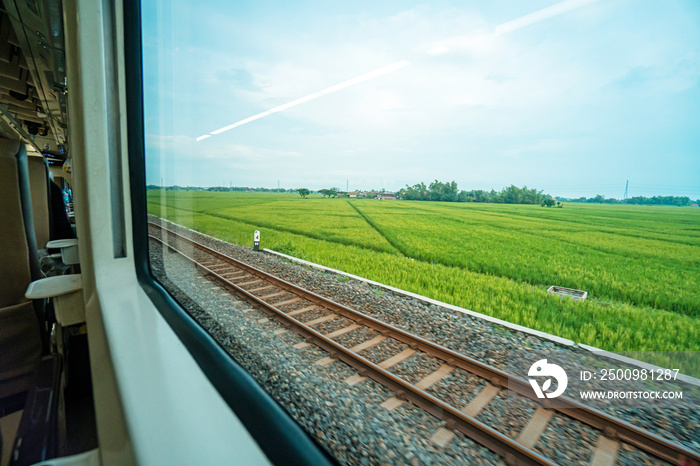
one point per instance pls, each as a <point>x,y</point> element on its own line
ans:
<point>394,244</point>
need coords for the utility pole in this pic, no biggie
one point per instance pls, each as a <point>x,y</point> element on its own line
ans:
<point>347,186</point>
<point>627,189</point>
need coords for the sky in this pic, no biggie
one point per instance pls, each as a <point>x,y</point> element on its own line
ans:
<point>574,97</point>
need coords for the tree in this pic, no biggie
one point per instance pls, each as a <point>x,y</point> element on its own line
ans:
<point>548,202</point>
<point>329,192</point>
<point>446,192</point>
<point>417,192</point>
<point>303,192</point>
<point>480,195</point>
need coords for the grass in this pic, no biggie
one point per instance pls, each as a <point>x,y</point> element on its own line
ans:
<point>658,273</point>
<point>639,264</point>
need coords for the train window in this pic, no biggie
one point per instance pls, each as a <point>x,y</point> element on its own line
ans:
<point>333,193</point>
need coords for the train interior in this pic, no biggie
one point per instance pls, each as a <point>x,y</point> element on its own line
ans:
<point>92,370</point>
<point>44,364</point>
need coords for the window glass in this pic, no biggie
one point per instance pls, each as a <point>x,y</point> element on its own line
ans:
<point>515,184</point>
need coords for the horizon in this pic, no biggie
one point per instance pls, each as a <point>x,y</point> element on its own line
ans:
<point>382,189</point>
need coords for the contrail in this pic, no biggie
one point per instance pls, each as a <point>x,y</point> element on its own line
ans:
<point>540,15</point>
<point>329,90</point>
<point>504,28</point>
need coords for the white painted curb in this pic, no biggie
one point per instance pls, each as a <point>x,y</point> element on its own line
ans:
<point>547,336</point>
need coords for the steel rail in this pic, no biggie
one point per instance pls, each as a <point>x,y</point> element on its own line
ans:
<point>611,426</point>
<point>511,451</point>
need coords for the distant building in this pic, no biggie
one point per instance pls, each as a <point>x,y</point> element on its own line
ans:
<point>353,194</point>
<point>387,196</point>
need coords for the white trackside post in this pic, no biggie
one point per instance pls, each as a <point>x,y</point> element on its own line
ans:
<point>256,240</point>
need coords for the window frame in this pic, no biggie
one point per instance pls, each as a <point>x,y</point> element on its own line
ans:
<point>280,437</point>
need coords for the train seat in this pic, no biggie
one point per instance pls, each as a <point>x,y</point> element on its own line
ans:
<point>30,383</point>
<point>20,337</point>
<point>40,189</point>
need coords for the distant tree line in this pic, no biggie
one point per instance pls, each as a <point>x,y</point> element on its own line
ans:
<point>449,192</point>
<point>151,187</point>
<point>680,201</point>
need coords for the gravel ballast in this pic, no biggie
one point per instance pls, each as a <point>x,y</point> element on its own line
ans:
<point>348,420</point>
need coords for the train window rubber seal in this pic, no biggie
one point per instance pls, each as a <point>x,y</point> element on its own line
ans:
<point>279,436</point>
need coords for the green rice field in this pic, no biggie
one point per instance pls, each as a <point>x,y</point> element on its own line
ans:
<point>640,265</point>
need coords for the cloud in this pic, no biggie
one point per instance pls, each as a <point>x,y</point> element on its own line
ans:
<point>168,143</point>
<point>413,21</point>
<point>183,146</point>
<point>677,76</point>
<point>411,99</point>
<point>535,149</point>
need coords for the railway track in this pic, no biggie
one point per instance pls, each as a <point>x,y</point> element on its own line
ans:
<point>273,296</point>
